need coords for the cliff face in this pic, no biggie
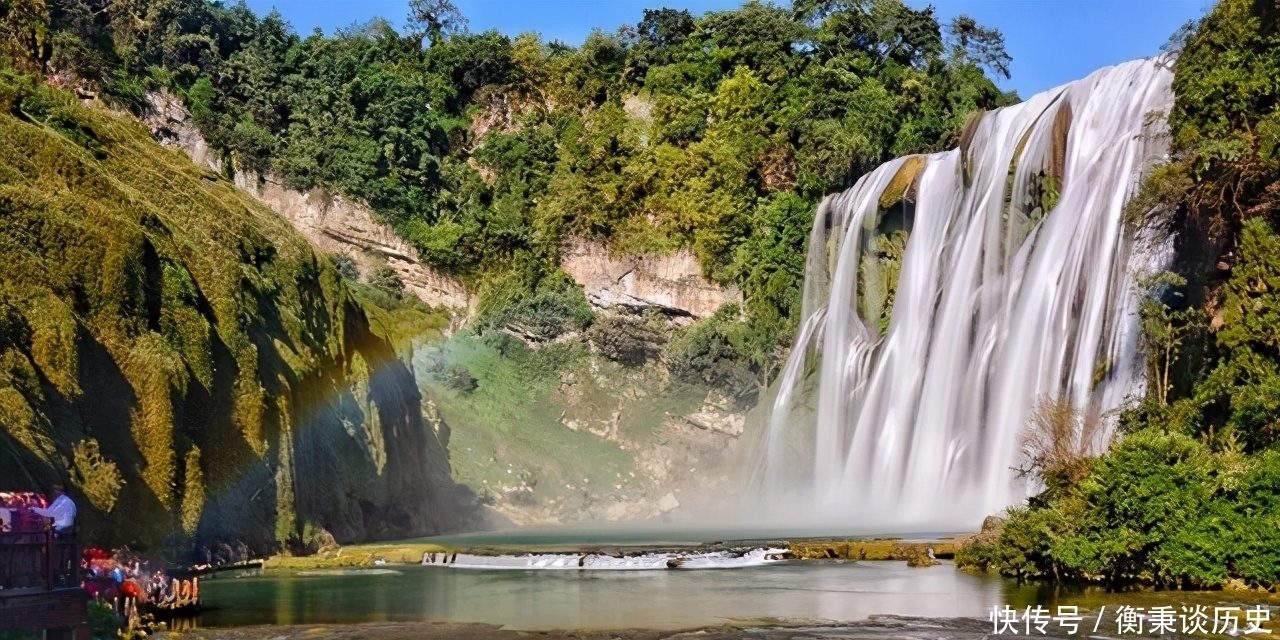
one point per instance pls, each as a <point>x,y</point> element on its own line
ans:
<point>672,282</point>
<point>177,355</point>
<point>654,444</point>
<point>327,221</point>
<point>330,223</point>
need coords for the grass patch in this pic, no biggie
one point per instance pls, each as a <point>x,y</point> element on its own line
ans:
<point>507,430</point>
<point>870,549</point>
<point>358,555</point>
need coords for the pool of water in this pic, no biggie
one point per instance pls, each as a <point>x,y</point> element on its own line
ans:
<point>544,600</point>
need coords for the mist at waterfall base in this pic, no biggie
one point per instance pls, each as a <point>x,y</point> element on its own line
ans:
<point>1018,283</point>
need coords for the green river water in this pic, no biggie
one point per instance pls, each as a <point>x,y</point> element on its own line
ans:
<point>543,600</point>
<point>789,592</point>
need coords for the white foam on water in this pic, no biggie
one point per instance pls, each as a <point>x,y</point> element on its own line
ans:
<point>594,561</point>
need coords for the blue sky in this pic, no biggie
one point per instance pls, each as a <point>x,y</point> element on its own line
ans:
<point>1051,41</point>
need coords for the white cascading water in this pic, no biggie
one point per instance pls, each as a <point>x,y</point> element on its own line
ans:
<point>917,425</point>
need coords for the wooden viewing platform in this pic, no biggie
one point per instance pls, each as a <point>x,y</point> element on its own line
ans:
<point>40,585</point>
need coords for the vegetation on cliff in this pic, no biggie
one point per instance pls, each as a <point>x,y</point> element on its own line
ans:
<point>179,351</point>
<point>1190,496</point>
<point>717,132</point>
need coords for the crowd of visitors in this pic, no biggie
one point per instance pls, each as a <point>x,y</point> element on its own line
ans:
<point>18,513</point>
<point>109,576</point>
<point>121,577</point>
<point>32,513</point>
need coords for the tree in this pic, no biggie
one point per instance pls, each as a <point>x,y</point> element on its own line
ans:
<point>24,33</point>
<point>1164,331</point>
<point>658,37</point>
<point>434,19</point>
<point>978,45</point>
<point>882,29</point>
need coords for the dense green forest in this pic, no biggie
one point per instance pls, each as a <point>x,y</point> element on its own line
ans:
<point>1190,495</point>
<point>717,133</point>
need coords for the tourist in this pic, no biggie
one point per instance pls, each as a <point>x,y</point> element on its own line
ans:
<point>156,587</point>
<point>63,511</point>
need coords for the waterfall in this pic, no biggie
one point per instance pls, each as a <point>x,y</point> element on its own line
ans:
<point>946,294</point>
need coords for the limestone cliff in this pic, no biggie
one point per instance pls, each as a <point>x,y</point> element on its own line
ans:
<point>182,359</point>
<point>670,282</point>
<point>328,221</point>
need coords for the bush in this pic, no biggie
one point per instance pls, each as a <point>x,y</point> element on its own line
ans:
<point>459,378</point>
<point>627,340</point>
<point>1059,443</point>
<point>710,352</point>
<point>555,307</point>
<point>386,280</point>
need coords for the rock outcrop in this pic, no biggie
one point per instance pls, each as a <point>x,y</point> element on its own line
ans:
<point>328,221</point>
<point>672,283</point>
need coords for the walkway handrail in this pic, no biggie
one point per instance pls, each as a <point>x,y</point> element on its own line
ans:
<point>39,559</point>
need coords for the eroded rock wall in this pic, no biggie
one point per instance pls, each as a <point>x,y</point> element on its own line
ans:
<point>328,221</point>
<point>670,282</point>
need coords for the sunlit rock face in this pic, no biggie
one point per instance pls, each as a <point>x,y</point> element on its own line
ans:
<point>671,283</point>
<point>328,221</point>
<point>947,294</point>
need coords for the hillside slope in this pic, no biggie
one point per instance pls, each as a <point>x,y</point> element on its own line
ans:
<point>181,356</point>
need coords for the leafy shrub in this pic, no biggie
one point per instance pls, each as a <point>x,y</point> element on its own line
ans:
<point>97,477</point>
<point>710,352</point>
<point>626,339</point>
<point>386,280</point>
<point>555,307</point>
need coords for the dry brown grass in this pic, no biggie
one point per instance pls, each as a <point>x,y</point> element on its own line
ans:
<point>1060,441</point>
<point>870,549</point>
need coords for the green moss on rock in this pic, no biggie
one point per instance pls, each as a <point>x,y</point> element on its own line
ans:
<point>161,326</point>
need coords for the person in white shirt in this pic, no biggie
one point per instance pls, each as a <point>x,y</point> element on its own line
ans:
<point>63,510</point>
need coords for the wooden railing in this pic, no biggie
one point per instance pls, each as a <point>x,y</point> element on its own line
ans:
<point>39,560</point>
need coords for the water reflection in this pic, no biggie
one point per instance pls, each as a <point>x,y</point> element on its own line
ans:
<point>541,600</point>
